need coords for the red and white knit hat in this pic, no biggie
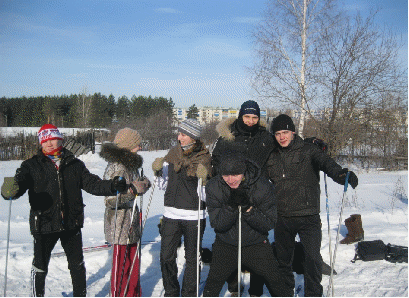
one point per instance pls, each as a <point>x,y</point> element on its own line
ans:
<point>49,132</point>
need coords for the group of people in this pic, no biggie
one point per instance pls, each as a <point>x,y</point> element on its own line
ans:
<point>253,181</point>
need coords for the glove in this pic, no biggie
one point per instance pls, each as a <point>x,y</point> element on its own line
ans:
<point>9,189</point>
<point>239,197</point>
<point>157,166</point>
<point>202,173</point>
<point>119,184</point>
<point>139,187</point>
<point>320,143</point>
<point>352,180</point>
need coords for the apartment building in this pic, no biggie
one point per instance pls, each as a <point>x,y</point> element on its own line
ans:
<point>209,114</point>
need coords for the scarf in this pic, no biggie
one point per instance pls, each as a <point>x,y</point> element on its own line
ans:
<point>55,156</point>
<point>190,158</point>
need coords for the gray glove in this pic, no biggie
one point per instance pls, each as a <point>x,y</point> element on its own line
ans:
<point>9,189</point>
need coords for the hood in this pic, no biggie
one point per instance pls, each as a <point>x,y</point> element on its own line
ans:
<point>112,153</point>
<point>224,128</point>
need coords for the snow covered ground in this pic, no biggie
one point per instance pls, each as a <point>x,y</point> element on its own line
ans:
<point>381,199</point>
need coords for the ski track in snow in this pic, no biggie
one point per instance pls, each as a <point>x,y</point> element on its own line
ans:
<point>373,199</point>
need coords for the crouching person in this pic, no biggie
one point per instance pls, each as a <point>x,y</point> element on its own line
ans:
<point>239,183</point>
<point>54,178</point>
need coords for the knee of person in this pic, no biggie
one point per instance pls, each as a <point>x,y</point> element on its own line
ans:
<point>77,266</point>
<point>36,269</point>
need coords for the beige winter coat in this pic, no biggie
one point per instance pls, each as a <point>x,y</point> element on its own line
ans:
<point>121,162</point>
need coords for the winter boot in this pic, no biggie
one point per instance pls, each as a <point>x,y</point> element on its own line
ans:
<point>355,230</point>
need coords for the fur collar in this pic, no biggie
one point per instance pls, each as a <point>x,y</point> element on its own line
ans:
<point>112,153</point>
<point>224,128</point>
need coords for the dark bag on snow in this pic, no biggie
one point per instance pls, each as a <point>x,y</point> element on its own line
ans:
<point>370,251</point>
<point>396,253</point>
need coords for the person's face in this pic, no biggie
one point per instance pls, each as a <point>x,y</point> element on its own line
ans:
<point>284,137</point>
<point>250,119</point>
<point>136,149</point>
<point>50,145</point>
<point>233,181</point>
<point>185,139</point>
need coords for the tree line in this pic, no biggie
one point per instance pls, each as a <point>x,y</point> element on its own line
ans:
<point>79,110</point>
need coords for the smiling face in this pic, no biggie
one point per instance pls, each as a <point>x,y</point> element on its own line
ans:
<point>233,181</point>
<point>185,139</point>
<point>284,137</point>
<point>250,119</point>
<point>51,145</point>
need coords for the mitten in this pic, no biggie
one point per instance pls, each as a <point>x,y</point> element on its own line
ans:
<point>320,143</point>
<point>10,188</point>
<point>139,187</point>
<point>202,173</point>
<point>118,184</point>
<point>353,179</point>
<point>238,196</point>
<point>157,166</point>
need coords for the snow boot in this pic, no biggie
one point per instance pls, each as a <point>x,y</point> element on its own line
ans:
<point>355,230</point>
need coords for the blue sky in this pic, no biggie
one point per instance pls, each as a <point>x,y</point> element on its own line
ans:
<point>193,51</point>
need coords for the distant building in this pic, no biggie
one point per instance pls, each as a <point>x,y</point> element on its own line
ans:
<point>209,114</point>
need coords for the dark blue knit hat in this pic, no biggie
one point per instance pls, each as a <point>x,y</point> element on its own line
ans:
<point>249,107</point>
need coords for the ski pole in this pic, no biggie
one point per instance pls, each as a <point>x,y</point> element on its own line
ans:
<point>7,250</point>
<point>329,230</point>
<point>239,257</point>
<point>143,227</point>
<point>127,245</point>
<point>198,239</point>
<point>114,235</point>
<point>339,228</point>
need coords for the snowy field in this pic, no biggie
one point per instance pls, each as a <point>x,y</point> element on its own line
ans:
<point>381,199</point>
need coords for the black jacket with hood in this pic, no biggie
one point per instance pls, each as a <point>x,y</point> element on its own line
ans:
<point>295,172</point>
<point>55,196</point>
<point>255,145</point>
<point>256,223</point>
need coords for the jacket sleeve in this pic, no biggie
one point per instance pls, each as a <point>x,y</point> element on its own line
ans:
<point>93,184</point>
<point>222,217</point>
<point>111,171</point>
<point>263,216</point>
<point>326,164</point>
<point>23,179</point>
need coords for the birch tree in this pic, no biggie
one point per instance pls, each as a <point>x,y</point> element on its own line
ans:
<point>286,43</point>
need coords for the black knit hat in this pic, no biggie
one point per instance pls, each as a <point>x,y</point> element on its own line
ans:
<point>282,122</point>
<point>232,164</point>
<point>249,107</point>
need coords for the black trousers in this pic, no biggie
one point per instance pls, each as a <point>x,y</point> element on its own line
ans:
<point>172,231</point>
<point>258,258</point>
<point>71,242</point>
<point>309,230</point>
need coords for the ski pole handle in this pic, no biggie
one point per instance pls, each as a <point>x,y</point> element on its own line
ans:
<point>346,181</point>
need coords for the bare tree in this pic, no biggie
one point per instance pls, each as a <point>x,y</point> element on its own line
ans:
<point>286,42</point>
<point>84,107</point>
<point>359,69</point>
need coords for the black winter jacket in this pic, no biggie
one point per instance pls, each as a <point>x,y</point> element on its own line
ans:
<point>255,146</point>
<point>256,223</point>
<point>55,195</point>
<point>295,172</point>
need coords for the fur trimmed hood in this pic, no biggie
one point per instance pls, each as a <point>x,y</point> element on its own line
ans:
<point>224,128</point>
<point>112,153</point>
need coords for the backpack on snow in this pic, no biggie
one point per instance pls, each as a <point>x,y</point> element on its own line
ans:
<point>370,251</point>
<point>396,253</point>
<point>377,250</point>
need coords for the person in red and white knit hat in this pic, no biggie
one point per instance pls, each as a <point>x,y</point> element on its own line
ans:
<point>55,178</point>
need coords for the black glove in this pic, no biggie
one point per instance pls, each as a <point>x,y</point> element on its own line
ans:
<point>118,184</point>
<point>320,143</point>
<point>238,196</point>
<point>352,180</point>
